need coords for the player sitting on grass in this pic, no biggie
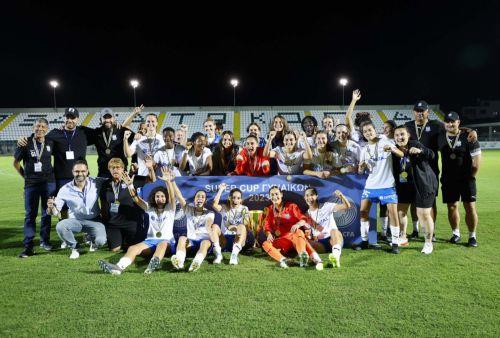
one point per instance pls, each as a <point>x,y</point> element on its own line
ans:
<point>235,222</point>
<point>160,209</point>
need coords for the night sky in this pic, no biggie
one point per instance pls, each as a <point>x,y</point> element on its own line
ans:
<point>446,53</point>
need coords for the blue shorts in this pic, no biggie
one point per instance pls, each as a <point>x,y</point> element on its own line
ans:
<point>382,196</point>
<point>230,241</point>
<point>153,243</point>
<point>194,245</point>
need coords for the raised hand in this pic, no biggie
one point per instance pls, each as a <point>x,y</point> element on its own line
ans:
<point>272,134</point>
<point>137,110</point>
<point>167,174</point>
<point>184,127</point>
<point>148,161</point>
<point>137,136</point>
<point>22,142</point>
<point>356,95</point>
<point>222,186</point>
<point>127,134</point>
<point>338,193</point>
<point>189,145</point>
<point>127,179</point>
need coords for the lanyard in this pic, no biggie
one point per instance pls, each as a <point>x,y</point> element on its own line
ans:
<point>161,220</point>
<point>71,139</point>
<point>116,191</point>
<point>38,152</point>
<point>403,162</point>
<point>107,141</point>
<point>419,135</point>
<point>151,144</point>
<point>452,147</point>
<point>375,154</point>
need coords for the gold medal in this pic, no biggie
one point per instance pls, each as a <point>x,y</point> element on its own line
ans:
<point>289,178</point>
<point>107,151</point>
<point>453,156</point>
<point>404,174</point>
<point>158,234</point>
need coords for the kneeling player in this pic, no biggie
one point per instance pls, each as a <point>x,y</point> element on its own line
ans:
<point>324,229</point>
<point>235,222</point>
<point>161,220</point>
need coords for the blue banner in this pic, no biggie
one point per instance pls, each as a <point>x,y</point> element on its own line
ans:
<point>255,195</point>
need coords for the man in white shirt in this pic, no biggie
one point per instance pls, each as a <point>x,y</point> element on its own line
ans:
<point>81,197</point>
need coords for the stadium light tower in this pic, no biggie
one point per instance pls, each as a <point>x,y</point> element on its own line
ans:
<point>134,83</point>
<point>234,83</point>
<point>343,82</point>
<point>54,84</point>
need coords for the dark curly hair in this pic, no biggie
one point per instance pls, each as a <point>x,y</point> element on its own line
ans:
<point>152,202</point>
<point>361,117</point>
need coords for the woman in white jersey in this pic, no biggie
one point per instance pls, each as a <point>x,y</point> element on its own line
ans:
<point>321,164</point>
<point>380,185</point>
<point>235,222</point>
<point>290,159</point>
<point>325,234</point>
<point>197,158</point>
<point>160,209</point>
<point>200,234</point>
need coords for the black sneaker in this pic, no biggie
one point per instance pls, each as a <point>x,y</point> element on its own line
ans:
<point>414,234</point>
<point>395,249</point>
<point>472,242</point>
<point>26,253</point>
<point>374,246</point>
<point>455,239</point>
<point>360,246</point>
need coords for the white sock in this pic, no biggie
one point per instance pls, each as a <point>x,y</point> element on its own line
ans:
<point>415,226</point>
<point>199,258</point>
<point>337,247</point>
<point>472,234</point>
<point>124,262</point>
<point>384,221</point>
<point>236,249</point>
<point>456,232</point>
<point>395,234</point>
<point>365,228</point>
<point>315,257</point>
<point>181,256</point>
<point>217,249</point>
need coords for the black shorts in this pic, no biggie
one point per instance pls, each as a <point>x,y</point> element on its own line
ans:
<point>459,190</point>
<point>409,195</point>
<point>119,237</point>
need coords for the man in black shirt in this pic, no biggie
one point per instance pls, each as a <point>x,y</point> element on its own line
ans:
<point>460,160</point>
<point>39,184</point>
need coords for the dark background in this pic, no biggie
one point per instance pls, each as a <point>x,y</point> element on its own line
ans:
<point>395,51</point>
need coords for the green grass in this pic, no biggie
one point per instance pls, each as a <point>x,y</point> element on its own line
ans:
<point>454,291</point>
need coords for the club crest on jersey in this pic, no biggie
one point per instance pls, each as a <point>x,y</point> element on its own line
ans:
<point>286,216</point>
<point>33,154</point>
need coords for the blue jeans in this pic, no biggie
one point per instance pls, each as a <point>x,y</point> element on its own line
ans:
<point>69,226</point>
<point>33,196</point>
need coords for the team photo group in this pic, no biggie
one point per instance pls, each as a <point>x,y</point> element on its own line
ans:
<point>410,170</point>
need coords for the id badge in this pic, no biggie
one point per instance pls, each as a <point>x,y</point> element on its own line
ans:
<point>114,207</point>
<point>70,155</point>
<point>403,177</point>
<point>38,167</point>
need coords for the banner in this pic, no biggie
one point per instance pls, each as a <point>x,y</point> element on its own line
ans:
<point>255,195</point>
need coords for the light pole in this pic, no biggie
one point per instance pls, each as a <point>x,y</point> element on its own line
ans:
<point>134,83</point>
<point>234,83</point>
<point>343,82</point>
<point>54,84</point>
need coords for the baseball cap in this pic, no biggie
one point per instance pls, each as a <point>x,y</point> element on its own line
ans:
<point>106,111</point>
<point>451,116</point>
<point>421,105</point>
<point>71,112</point>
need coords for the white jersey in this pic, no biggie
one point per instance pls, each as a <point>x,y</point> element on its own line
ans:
<point>381,175</point>
<point>234,217</point>
<point>196,223</point>
<point>357,137</point>
<point>167,158</point>
<point>323,220</point>
<point>347,156</point>
<point>146,146</point>
<point>289,163</point>
<point>310,140</point>
<point>322,161</point>
<point>197,163</point>
<point>160,225</point>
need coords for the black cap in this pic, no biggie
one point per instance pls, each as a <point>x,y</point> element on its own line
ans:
<point>421,105</point>
<point>71,113</point>
<point>451,116</point>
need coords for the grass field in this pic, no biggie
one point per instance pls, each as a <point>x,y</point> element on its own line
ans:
<point>453,292</point>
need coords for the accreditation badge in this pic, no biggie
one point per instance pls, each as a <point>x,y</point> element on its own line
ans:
<point>38,167</point>
<point>403,177</point>
<point>114,207</point>
<point>70,155</point>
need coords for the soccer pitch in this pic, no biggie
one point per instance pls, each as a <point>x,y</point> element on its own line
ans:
<point>454,291</point>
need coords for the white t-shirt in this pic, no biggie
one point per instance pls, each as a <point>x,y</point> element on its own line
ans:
<point>145,146</point>
<point>321,161</point>
<point>381,176</point>
<point>167,158</point>
<point>289,163</point>
<point>310,140</point>
<point>323,220</point>
<point>197,162</point>
<point>162,223</point>
<point>196,223</point>
<point>349,155</point>
<point>235,216</point>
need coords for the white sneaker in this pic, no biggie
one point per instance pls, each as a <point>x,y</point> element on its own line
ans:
<point>74,254</point>
<point>428,247</point>
<point>319,266</point>
<point>283,264</point>
<point>93,247</point>
<point>218,259</point>
<point>334,258</point>
<point>233,260</point>
<point>64,245</point>
<point>178,265</point>
<point>194,266</point>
